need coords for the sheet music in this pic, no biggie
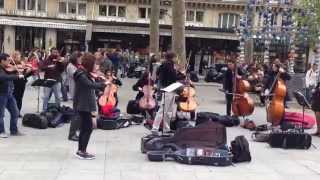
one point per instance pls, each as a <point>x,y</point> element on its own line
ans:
<point>172,87</point>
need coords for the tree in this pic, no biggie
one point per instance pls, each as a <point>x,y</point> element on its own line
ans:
<point>178,30</point>
<point>154,27</point>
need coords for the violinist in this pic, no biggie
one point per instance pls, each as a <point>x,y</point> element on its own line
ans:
<point>145,80</point>
<point>7,99</point>
<point>53,68</point>
<point>20,84</point>
<point>84,102</point>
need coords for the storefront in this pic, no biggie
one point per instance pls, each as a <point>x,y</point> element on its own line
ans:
<point>71,40</point>
<point>28,38</point>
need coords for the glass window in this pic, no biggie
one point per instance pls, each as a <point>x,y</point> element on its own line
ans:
<point>122,11</point>
<point>199,16</point>
<point>102,10</point>
<point>190,16</point>
<point>1,3</point>
<point>112,11</point>
<point>21,4</point>
<point>228,20</point>
<point>142,13</point>
<point>162,13</point>
<point>231,20</point>
<point>42,5</point>
<point>63,7</point>
<point>149,13</point>
<point>82,8</point>
<point>72,7</point>
<point>225,21</point>
<point>31,4</point>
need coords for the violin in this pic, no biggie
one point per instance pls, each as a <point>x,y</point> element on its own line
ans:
<point>147,102</point>
<point>276,108</point>
<point>18,67</point>
<point>108,98</point>
<point>242,104</point>
<point>188,94</point>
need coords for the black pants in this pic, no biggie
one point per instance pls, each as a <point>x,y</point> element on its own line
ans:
<point>85,130</point>
<point>19,88</point>
<point>229,98</point>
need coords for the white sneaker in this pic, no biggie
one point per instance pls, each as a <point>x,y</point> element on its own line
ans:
<point>3,135</point>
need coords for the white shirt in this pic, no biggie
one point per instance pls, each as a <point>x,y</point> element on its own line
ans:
<point>311,78</point>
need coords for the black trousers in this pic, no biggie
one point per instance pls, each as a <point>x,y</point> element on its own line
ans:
<point>85,130</point>
<point>19,88</point>
<point>229,98</point>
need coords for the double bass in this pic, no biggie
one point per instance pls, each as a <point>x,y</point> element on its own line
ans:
<point>242,104</point>
<point>276,108</point>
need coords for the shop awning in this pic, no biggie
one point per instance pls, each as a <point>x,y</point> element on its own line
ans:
<point>42,24</point>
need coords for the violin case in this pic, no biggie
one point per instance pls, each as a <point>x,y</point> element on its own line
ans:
<point>194,156</point>
<point>291,139</point>
<point>122,121</point>
<point>209,134</point>
<point>38,121</point>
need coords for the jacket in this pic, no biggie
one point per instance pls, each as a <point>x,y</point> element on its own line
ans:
<point>311,78</point>
<point>316,99</point>
<point>167,74</point>
<point>84,95</point>
<point>54,72</point>
<point>6,82</point>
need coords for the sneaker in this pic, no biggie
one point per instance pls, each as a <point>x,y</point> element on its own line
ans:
<point>3,135</point>
<point>17,134</point>
<point>84,156</point>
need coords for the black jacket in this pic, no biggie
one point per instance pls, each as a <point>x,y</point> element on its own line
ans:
<point>229,78</point>
<point>167,74</point>
<point>271,77</point>
<point>6,82</point>
<point>84,96</point>
<point>316,99</point>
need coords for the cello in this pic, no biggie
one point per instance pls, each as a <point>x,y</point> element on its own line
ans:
<point>275,108</point>
<point>108,98</point>
<point>242,104</point>
<point>147,102</point>
<point>188,93</point>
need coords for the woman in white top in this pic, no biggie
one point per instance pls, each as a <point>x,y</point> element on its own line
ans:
<point>73,65</point>
<point>311,80</point>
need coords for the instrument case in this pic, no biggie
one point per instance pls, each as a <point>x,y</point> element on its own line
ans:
<point>290,140</point>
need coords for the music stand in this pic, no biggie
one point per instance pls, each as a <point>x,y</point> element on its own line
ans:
<point>302,101</point>
<point>42,83</point>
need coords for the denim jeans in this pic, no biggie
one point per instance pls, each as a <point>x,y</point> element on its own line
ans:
<point>9,102</point>
<point>47,92</point>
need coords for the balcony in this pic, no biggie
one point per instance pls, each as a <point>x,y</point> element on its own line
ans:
<point>27,13</point>
<point>71,16</point>
<point>111,19</point>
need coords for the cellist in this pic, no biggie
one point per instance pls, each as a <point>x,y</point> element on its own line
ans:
<point>228,84</point>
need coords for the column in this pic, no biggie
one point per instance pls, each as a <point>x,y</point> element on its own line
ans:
<point>9,37</point>
<point>51,38</point>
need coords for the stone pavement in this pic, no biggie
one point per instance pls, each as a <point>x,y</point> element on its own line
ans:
<point>48,155</point>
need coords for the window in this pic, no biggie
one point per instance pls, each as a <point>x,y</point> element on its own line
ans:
<point>82,9</point>
<point>72,7</point>
<point>162,13</point>
<point>228,20</point>
<point>190,16</point>
<point>21,4</point>
<point>1,3</point>
<point>102,10</point>
<point>31,4</point>
<point>42,5</point>
<point>143,13</point>
<point>112,11</point>
<point>63,7</point>
<point>199,16</point>
<point>122,11</point>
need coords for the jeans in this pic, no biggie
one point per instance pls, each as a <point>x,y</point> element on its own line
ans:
<point>9,102</point>
<point>166,112</point>
<point>229,98</point>
<point>55,89</point>
<point>85,130</point>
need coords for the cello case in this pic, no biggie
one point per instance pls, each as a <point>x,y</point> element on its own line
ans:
<point>208,134</point>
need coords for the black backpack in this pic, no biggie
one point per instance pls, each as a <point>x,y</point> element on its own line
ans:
<point>240,150</point>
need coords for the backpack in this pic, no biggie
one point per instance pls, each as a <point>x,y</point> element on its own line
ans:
<point>240,150</point>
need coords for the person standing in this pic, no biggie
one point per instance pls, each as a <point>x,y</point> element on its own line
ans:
<point>167,76</point>
<point>74,63</point>
<point>103,61</point>
<point>311,80</point>
<point>84,102</point>
<point>228,86</point>
<point>20,84</point>
<point>53,67</point>
<point>7,99</point>
<point>316,106</point>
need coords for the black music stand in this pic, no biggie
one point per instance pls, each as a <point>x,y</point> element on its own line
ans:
<point>42,83</point>
<point>302,101</point>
